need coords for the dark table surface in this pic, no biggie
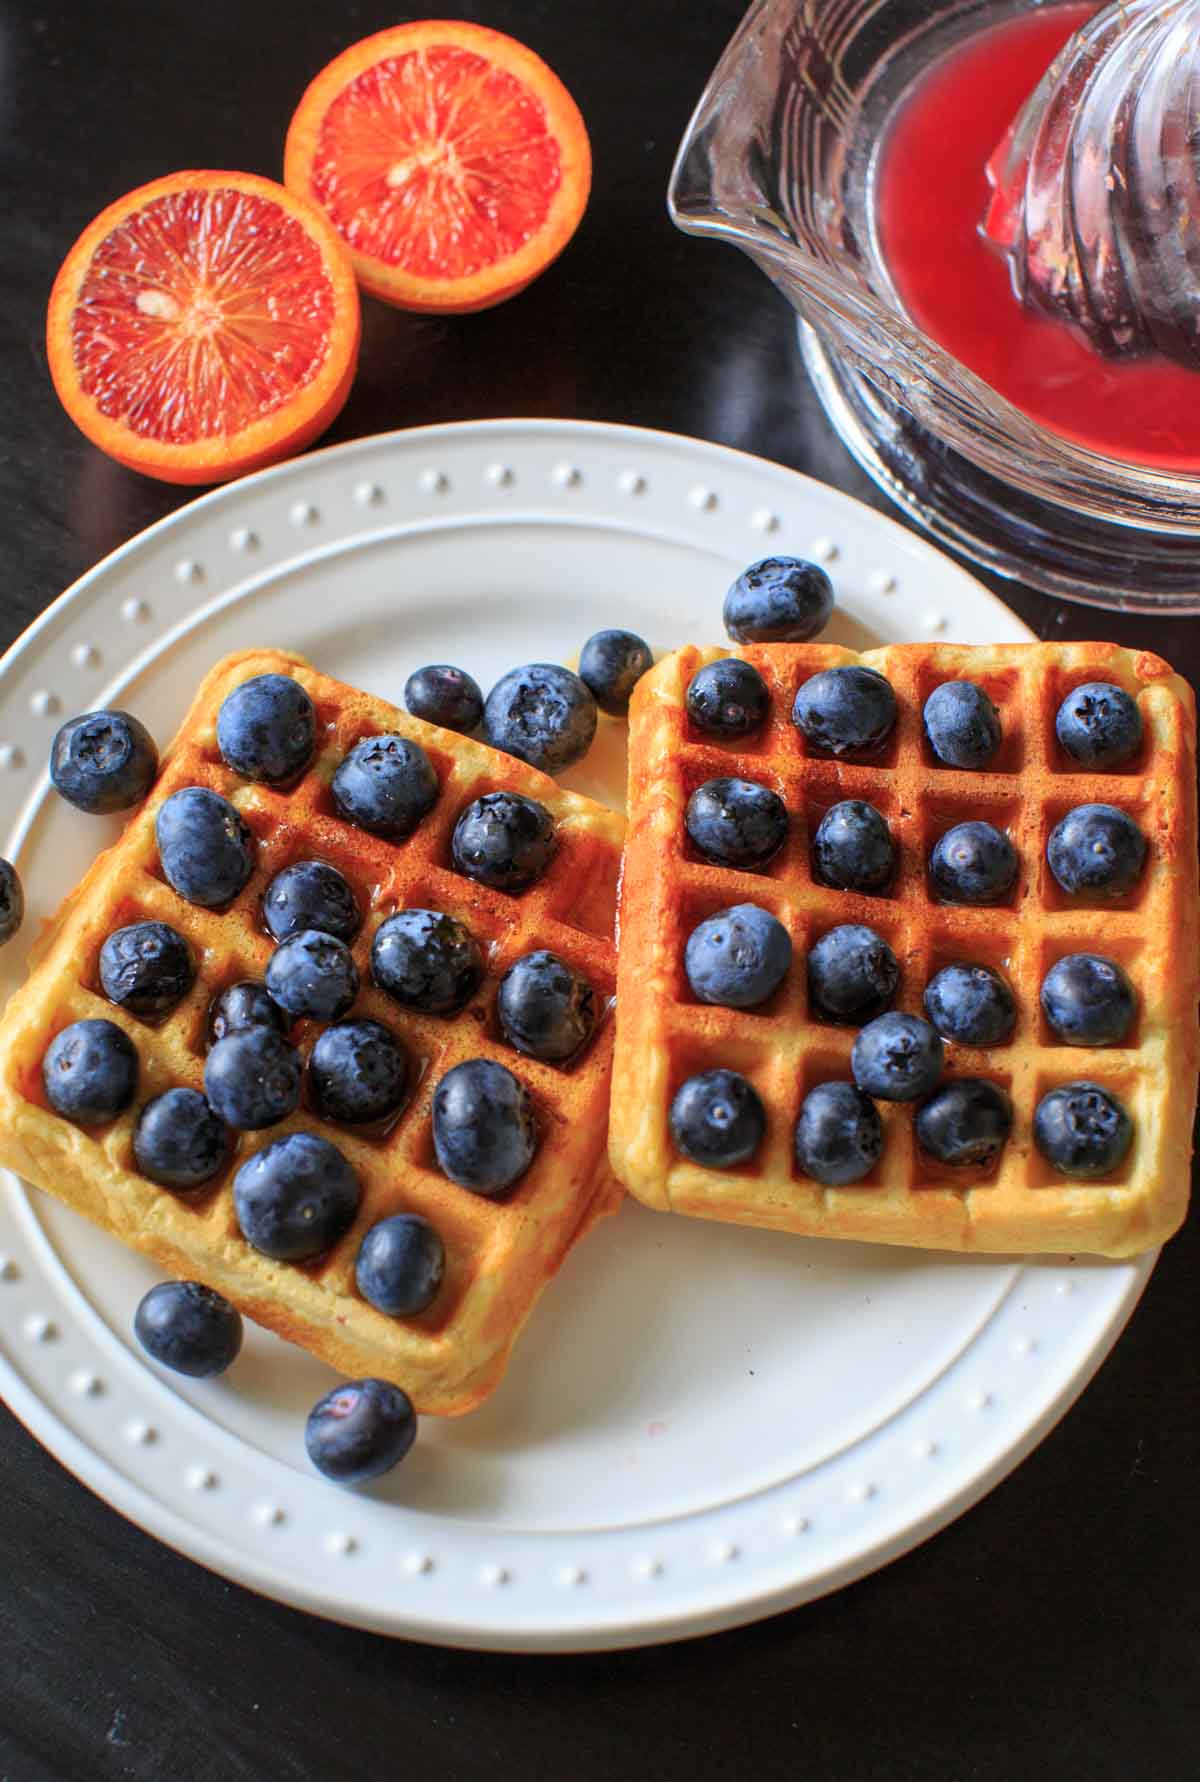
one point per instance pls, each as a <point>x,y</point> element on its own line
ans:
<point>1053,1629</point>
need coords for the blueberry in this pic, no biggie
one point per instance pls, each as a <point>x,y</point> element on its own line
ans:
<point>146,968</point>
<point>310,894</point>
<point>358,1071</point>
<point>971,1004</point>
<point>267,728</point>
<point>484,1129</point>
<point>779,600</point>
<point>542,714</point>
<point>179,1141</point>
<point>728,698</point>
<point>103,761</point>
<point>12,902</point>
<point>738,957</point>
<point>852,974</point>
<point>717,1119</point>
<point>444,695</point>
<point>839,1135</point>
<point>1097,848</point>
<point>897,1057</point>
<point>296,1197</point>
<point>90,1072</point>
<point>845,711</point>
<point>401,1262</point>
<point>385,785</point>
<point>611,664</point>
<point>736,823</point>
<point>360,1430</point>
<point>973,863</point>
<point>427,961</point>
<point>313,974</point>
<point>965,1121</point>
<point>853,848</point>
<point>188,1328</point>
<point>546,1008</point>
<point>241,1006</point>
<point>1088,1000</point>
<point>504,840</point>
<point>962,726</point>
<point>206,848</point>
<point>252,1078</point>
<point>1099,725</point>
<point>1082,1130</point>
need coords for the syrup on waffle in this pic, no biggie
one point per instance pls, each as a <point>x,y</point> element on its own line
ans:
<point>499,1254</point>
<point>665,1035</point>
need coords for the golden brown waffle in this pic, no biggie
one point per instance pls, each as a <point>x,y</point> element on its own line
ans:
<point>665,1035</point>
<point>499,1255</point>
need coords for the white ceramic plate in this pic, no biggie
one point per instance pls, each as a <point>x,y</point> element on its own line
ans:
<point>701,1424</point>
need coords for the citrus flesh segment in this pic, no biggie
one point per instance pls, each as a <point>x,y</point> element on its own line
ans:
<point>450,159</point>
<point>204,326</point>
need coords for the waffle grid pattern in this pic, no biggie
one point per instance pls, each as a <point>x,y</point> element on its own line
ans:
<point>665,1035</point>
<point>499,1253</point>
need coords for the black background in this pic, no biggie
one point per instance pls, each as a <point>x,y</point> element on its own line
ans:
<point>1053,1630</point>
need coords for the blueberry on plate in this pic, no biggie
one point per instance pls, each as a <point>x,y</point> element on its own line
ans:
<point>738,957</point>
<point>728,698</point>
<point>718,1119</point>
<point>546,1008</point>
<point>845,711</point>
<point>839,1135</point>
<point>1088,1000</point>
<point>103,761</point>
<point>965,1121</point>
<point>146,968</point>
<point>188,1328</point>
<point>443,695</point>
<point>252,1078</point>
<point>1099,725</point>
<point>296,1197</point>
<point>1082,1130</point>
<point>971,1004</point>
<point>736,823</point>
<point>973,863</point>
<point>358,1071</point>
<point>427,961</point>
<point>504,840</point>
<point>1097,848</point>
<point>267,728</point>
<point>12,901</point>
<point>385,785</point>
<point>542,714</point>
<point>241,1006</point>
<point>897,1057</point>
<point>312,974</point>
<point>484,1129</point>
<point>205,846</point>
<point>310,894</point>
<point>90,1072</point>
<point>962,726</point>
<point>853,849</point>
<point>360,1430</point>
<point>401,1263</point>
<point>611,664</point>
<point>779,600</point>
<point>852,974</point>
<point>179,1140</point>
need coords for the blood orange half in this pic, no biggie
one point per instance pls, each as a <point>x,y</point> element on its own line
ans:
<point>450,159</point>
<point>204,325</point>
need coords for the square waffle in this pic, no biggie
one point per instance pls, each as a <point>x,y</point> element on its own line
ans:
<point>499,1254</point>
<point>665,1035</point>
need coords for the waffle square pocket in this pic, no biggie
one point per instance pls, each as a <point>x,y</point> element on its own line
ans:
<point>785,1046</point>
